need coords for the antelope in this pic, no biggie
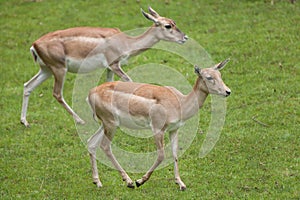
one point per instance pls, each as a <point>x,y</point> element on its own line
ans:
<point>145,106</point>
<point>84,49</point>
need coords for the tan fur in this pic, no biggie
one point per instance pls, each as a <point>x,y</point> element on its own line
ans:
<point>146,106</point>
<point>84,49</point>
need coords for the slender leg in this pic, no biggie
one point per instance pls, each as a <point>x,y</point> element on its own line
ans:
<point>59,75</point>
<point>116,68</point>
<point>106,147</point>
<point>174,143</point>
<point>93,144</point>
<point>158,119</point>
<point>159,141</point>
<point>35,81</point>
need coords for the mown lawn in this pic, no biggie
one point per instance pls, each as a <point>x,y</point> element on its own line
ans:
<point>257,155</point>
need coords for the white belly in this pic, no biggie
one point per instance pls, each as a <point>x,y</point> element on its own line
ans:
<point>137,122</point>
<point>86,65</point>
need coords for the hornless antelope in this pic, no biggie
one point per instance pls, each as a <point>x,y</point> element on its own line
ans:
<point>67,50</point>
<point>145,106</point>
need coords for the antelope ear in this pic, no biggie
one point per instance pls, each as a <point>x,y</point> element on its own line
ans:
<point>222,64</point>
<point>150,17</point>
<point>153,12</point>
<point>197,70</point>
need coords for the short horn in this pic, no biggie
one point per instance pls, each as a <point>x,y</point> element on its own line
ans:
<point>197,69</point>
<point>222,64</point>
<point>149,17</point>
<point>153,12</point>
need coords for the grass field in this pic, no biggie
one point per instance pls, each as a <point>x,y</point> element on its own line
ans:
<point>258,153</point>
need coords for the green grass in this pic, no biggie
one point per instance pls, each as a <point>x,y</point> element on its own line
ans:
<point>250,161</point>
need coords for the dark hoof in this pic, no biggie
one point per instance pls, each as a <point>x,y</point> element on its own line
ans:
<point>182,188</point>
<point>130,186</point>
<point>138,184</point>
<point>26,124</point>
<point>99,185</point>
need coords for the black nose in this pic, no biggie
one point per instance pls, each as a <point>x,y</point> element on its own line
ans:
<point>228,93</point>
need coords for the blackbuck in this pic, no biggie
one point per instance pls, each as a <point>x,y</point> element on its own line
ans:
<point>84,49</point>
<point>144,106</point>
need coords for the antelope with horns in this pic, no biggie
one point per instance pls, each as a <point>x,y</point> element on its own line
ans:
<point>84,49</point>
<point>144,106</point>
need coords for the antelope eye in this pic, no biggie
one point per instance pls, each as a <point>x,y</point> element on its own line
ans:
<point>209,78</point>
<point>168,26</point>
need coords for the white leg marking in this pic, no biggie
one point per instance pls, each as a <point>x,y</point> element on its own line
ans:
<point>93,144</point>
<point>29,86</point>
<point>159,141</point>
<point>174,143</point>
<point>106,147</point>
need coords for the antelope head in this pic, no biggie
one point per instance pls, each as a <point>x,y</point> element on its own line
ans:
<point>168,29</point>
<point>211,81</point>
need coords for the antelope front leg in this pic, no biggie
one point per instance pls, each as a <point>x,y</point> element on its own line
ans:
<point>159,140</point>
<point>116,68</point>
<point>174,144</point>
